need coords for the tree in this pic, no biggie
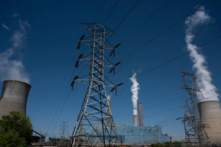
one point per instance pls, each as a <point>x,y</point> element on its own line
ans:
<point>157,145</point>
<point>12,139</point>
<point>15,128</point>
<point>173,144</point>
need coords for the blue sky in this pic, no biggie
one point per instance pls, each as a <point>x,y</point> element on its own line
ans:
<point>50,44</point>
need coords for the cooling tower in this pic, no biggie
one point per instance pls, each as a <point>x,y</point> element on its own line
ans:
<point>14,97</point>
<point>140,114</point>
<point>210,115</point>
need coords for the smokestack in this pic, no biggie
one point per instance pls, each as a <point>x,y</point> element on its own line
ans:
<point>14,97</point>
<point>135,117</point>
<point>210,115</point>
<point>134,90</point>
<point>140,114</point>
<point>108,118</point>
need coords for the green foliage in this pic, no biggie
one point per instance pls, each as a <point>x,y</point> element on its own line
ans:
<point>12,139</point>
<point>177,144</point>
<point>17,124</point>
<point>157,145</point>
<point>167,144</point>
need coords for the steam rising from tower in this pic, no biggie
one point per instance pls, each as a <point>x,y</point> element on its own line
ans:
<point>11,69</point>
<point>209,105</point>
<point>203,75</point>
<point>134,90</point>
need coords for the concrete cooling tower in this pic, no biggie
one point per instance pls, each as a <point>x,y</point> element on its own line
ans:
<point>210,115</point>
<point>14,97</point>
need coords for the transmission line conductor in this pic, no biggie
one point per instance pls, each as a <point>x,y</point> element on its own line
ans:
<point>95,123</point>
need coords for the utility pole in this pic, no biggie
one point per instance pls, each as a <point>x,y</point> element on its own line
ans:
<point>95,122</point>
<point>194,129</point>
<point>62,130</point>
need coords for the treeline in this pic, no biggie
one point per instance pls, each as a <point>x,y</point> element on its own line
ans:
<point>167,144</point>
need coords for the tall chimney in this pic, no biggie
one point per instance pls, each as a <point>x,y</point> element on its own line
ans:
<point>108,118</point>
<point>210,115</point>
<point>140,114</point>
<point>135,116</point>
<point>14,97</point>
<point>135,120</point>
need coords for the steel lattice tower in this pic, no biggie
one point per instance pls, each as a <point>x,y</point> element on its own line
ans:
<point>63,128</point>
<point>194,129</point>
<point>95,124</point>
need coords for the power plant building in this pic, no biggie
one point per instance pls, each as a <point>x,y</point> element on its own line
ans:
<point>14,97</point>
<point>135,135</point>
<point>141,135</point>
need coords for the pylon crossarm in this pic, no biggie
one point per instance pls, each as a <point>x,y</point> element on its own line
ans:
<point>95,118</point>
<point>94,104</point>
<point>93,113</point>
<point>97,81</point>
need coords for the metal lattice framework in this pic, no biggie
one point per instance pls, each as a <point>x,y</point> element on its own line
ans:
<point>95,124</point>
<point>194,129</point>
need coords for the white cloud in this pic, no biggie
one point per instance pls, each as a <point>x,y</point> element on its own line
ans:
<point>199,62</point>
<point>19,35</point>
<point>14,69</point>
<point>5,26</point>
<point>15,15</point>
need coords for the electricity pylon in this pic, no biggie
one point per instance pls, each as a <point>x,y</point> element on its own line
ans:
<point>95,124</point>
<point>195,134</point>
<point>63,128</point>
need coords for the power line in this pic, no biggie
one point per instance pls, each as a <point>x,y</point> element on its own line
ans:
<point>66,99</point>
<point>126,15</point>
<point>168,28</point>
<point>156,104</point>
<point>111,11</point>
<point>163,112</point>
<point>62,109</point>
<point>149,18</point>
<point>57,109</point>
<point>167,119</point>
<point>164,101</point>
<point>164,32</point>
<point>99,10</point>
<point>69,67</point>
<point>170,61</point>
<point>177,57</point>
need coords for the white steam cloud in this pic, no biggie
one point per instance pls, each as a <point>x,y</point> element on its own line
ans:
<point>5,26</point>
<point>199,63</point>
<point>10,68</point>
<point>134,90</point>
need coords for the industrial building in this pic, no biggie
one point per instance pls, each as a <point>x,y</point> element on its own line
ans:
<point>141,135</point>
<point>135,135</point>
<point>14,97</point>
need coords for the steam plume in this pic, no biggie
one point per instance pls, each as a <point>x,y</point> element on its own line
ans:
<point>134,90</point>
<point>12,69</point>
<point>199,63</point>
